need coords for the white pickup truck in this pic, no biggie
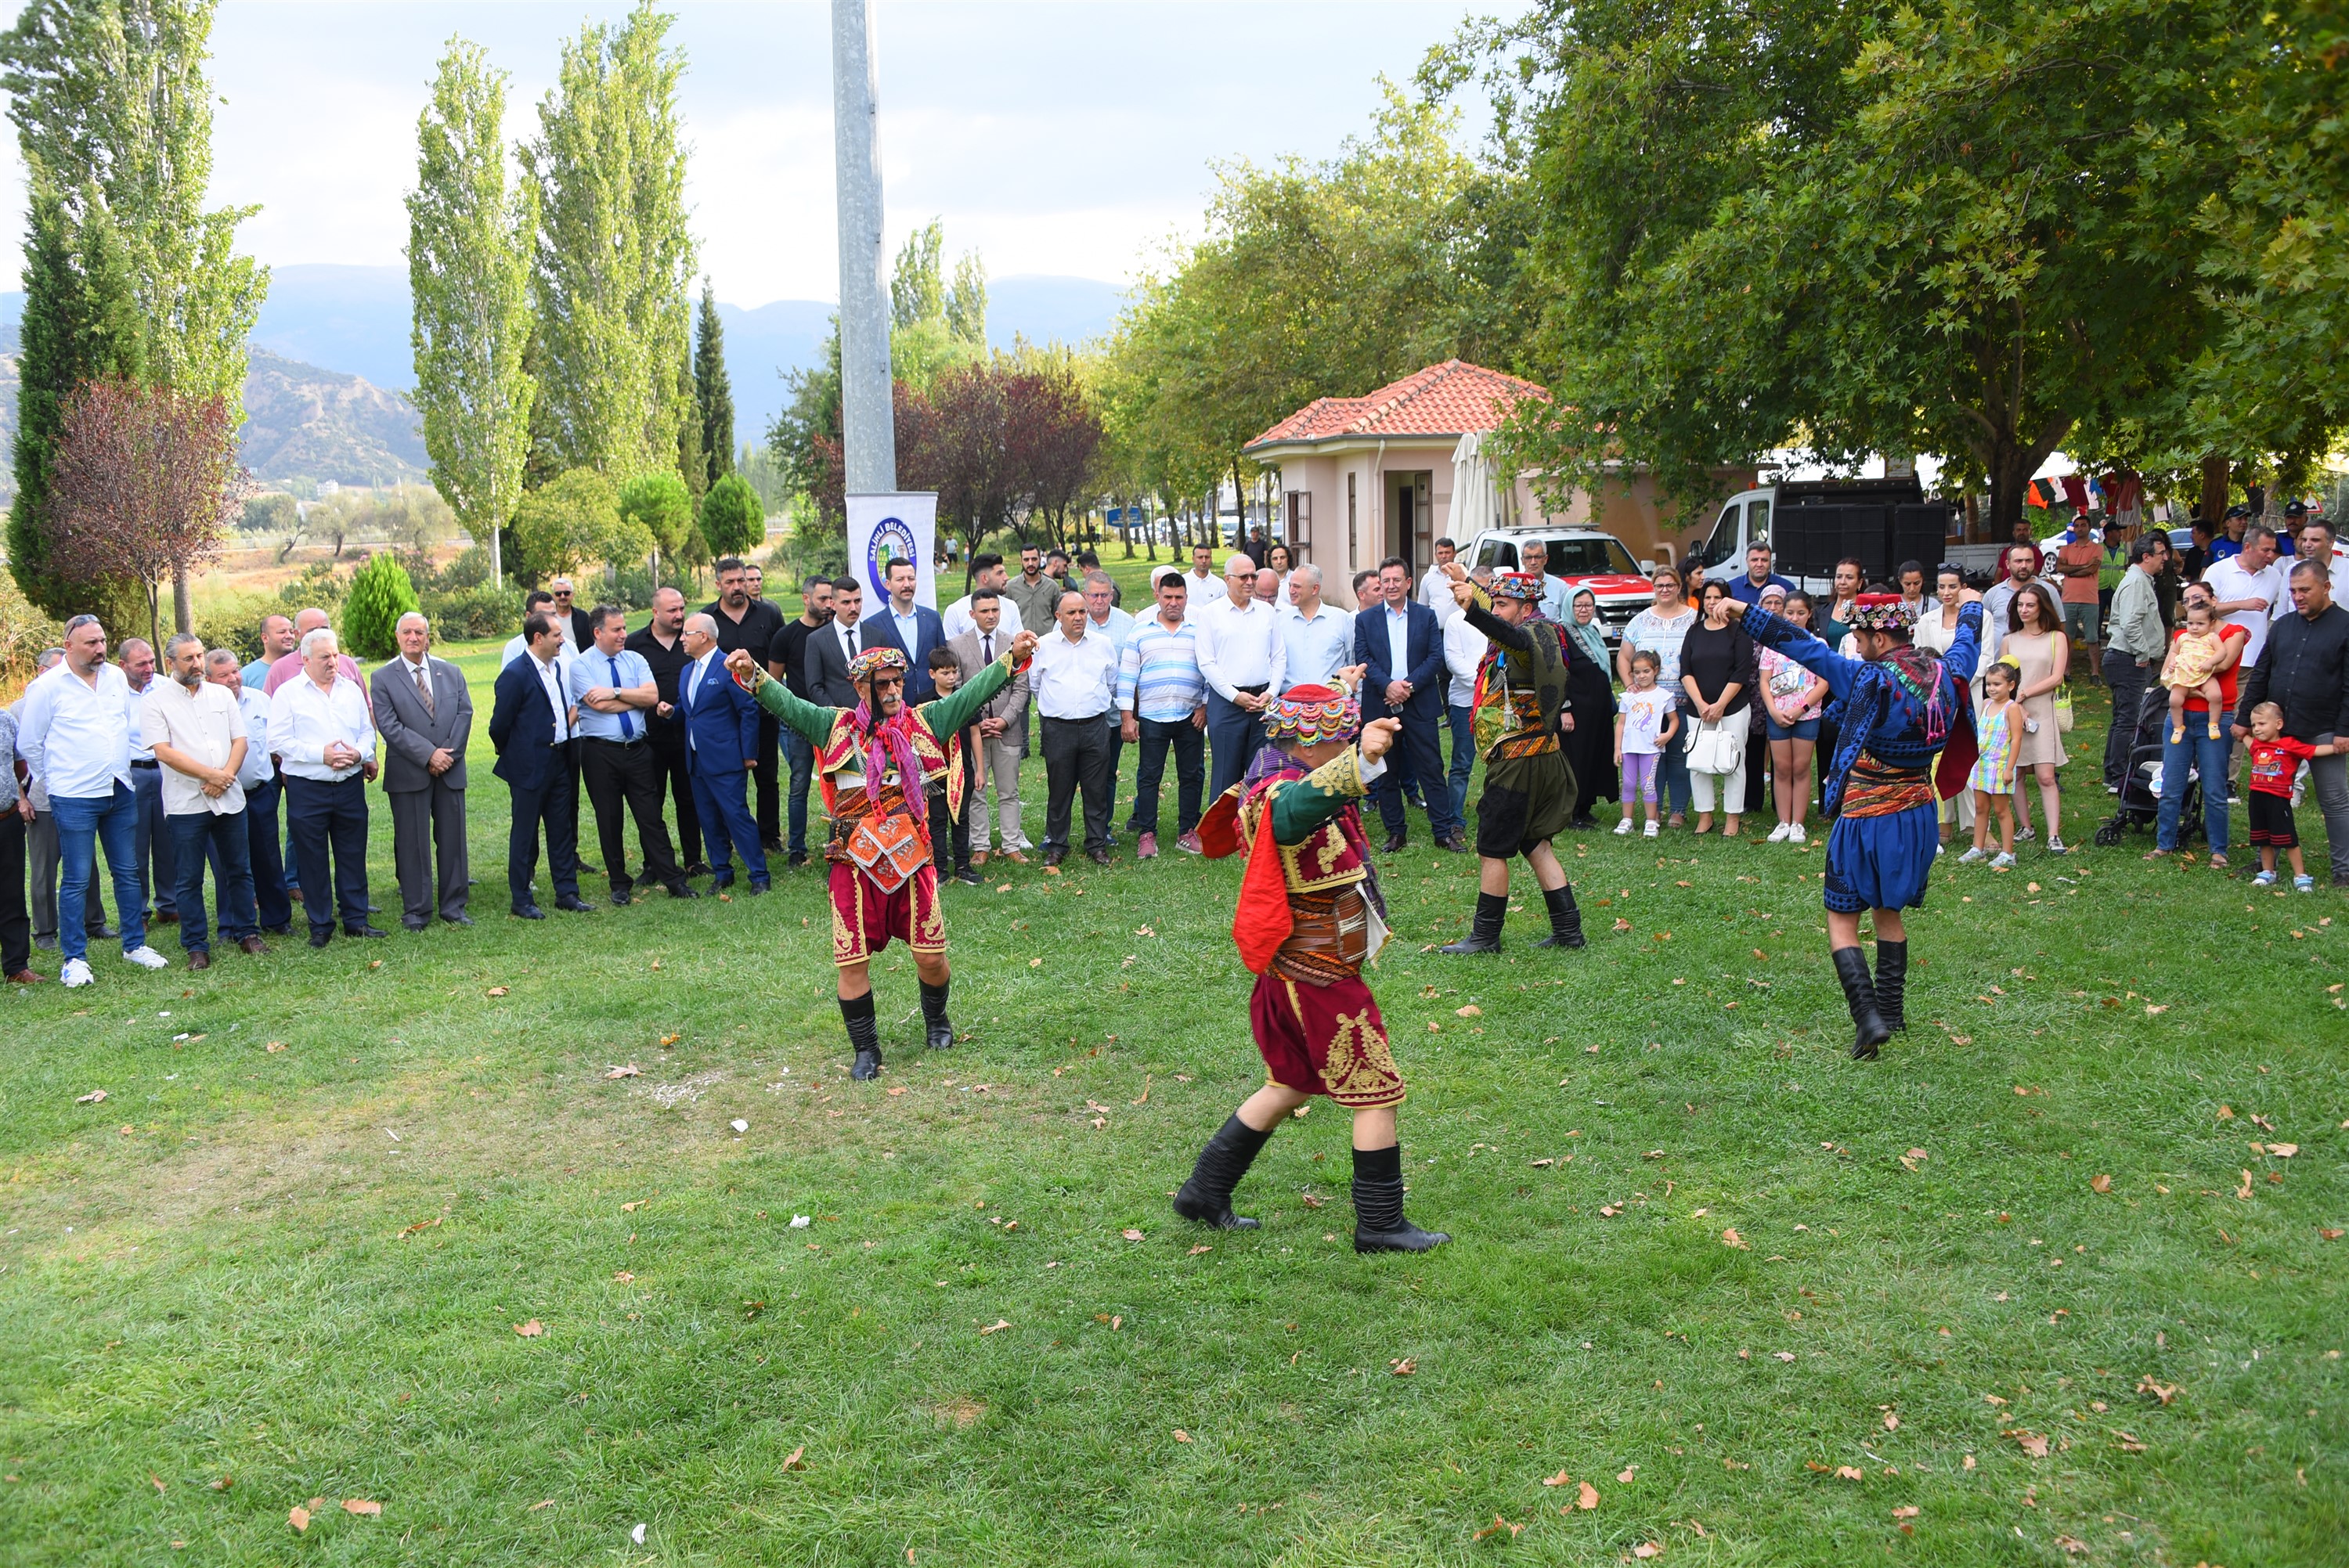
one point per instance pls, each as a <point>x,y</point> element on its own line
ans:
<point>1581,558</point>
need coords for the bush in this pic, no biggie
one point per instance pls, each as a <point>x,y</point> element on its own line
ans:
<point>663,506</point>
<point>574,522</point>
<point>469,614</point>
<point>320,584</point>
<point>732,520</point>
<point>380,595</point>
<point>469,568</point>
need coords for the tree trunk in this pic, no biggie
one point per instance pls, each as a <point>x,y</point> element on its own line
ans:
<point>183,615</point>
<point>2217,473</point>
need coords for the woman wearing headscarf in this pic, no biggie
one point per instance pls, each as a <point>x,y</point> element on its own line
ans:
<point>1591,697</point>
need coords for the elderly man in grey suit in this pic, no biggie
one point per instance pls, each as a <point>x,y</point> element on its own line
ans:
<point>425,716</point>
<point>1002,728</point>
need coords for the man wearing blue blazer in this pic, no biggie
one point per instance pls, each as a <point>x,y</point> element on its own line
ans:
<point>722,739</point>
<point>911,629</point>
<point>1401,644</point>
<point>531,726</point>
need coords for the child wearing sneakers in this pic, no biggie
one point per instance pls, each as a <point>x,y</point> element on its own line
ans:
<point>1998,731</point>
<point>2190,671</point>
<point>1645,721</point>
<point>2275,760</point>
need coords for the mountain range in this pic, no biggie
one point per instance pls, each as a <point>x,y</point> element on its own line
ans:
<point>326,392</point>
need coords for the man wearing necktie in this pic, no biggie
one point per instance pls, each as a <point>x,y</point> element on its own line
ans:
<point>533,728</point>
<point>615,693</point>
<point>425,715</point>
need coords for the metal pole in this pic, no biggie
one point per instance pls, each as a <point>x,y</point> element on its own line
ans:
<point>867,415</point>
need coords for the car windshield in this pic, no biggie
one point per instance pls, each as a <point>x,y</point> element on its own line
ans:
<point>1566,557</point>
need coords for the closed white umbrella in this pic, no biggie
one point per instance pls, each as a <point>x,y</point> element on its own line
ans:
<point>1475,506</point>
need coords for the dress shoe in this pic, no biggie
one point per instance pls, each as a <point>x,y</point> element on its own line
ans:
<point>1457,844</point>
<point>978,857</point>
<point>1099,856</point>
<point>283,930</point>
<point>1145,847</point>
<point>104,933</point>
<point>1396,842</point>
<point>364,929</point>
<point>321,935</point>
<point>621,900</point>
<point>969,878</point>
<point>1055,855</point>
<point>164,917</point>
<point>46,943</point>
<point>697,868</point>
<point>413,925</point>
<point>198,959</point>
<point>682,889</point>
<point>254,946</point>
<point>1015,857</point>
<point>295,893</point>
<point>572,903</point>
<point>460,918</point>
<point>528,911</point>
<point>720,885</point>
<point>773,846</point>
<point>757,887</point>
<point>797,860</point>
<point>24,977</point>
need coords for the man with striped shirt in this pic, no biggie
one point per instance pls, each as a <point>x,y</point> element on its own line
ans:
<point>1163,701</point>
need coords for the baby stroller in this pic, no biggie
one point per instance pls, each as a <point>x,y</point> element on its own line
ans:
<point>2140,805</point>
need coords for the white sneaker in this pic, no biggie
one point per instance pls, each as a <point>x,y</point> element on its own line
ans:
<point>1649,831</point>
<point>2001,861</point>
<point>2055,847</point>
<point>1778,834</point>
<point>2265,879</point>
<point>1623,827</point>
<point>1973,857</point>
<point>1795,835</point>
<point>76,973</point>
<point>147,957</point>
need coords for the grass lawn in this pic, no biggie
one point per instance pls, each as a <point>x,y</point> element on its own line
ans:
<point>2021,1291</point>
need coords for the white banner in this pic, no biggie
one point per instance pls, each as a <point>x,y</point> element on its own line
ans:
<point>898,527</point>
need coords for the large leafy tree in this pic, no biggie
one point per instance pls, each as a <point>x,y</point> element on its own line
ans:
<point>469,270</point>
<point>574,522</point>
<point>614,260</point>
<point>1955,229</point>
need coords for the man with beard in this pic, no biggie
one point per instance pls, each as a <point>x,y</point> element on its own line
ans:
<point>746,621</point>
<point>874,761</point>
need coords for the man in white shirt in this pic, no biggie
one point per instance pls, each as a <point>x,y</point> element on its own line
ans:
<point>159,868</point>
<point>325,741</point>
<point>1532,559</point>
<point>1072,679</point>
<point>273,909</point>
<point>2313,540</point>
<point>75,738</point>
<point>536,601</point>
<point>196,731</point>
<point>1242,656</point>
<point>1316,640</point>
<point>1202,587</point>
<point>2248,585</point>
<point>1464,653</point>
<point>1104,619</point>
<point>288,666</point>
<point>1435,586</point>
<point>987,571</point>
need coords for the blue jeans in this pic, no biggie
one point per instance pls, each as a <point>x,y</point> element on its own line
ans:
<point>193,835</point>
<point>159,870</point>
<point>1155,736</point>
<point>2211,757</point>
<point>1673,776</point>
<point>801,756</point>
<point>1464,758</point>
<point>112,820</point>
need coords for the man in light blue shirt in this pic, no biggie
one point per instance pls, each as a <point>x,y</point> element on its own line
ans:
<point>1162,699</point>
<point>277,640</point>
<point>1319,637</point>
<point>1104,619</point>
<point>614,689</point>
<point>1533,557</point>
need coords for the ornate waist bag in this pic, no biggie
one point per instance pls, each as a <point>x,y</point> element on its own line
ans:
<point>1876,789</point>
<point>1328,937</point>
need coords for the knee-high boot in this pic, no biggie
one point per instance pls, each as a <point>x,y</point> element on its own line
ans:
<point>1484,935</point>
<point>1868,1032</point>
<point>936,1030</point>
<point>864,1033</point>
<point>1565,919</point>
<point>1207,1196</point>
<point>1379,1222</point>
<point>1892,983</point>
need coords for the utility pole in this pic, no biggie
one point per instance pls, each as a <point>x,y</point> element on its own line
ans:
<point>867,410</point>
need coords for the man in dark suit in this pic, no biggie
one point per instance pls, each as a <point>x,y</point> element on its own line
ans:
<point>531,726</point>
<point>744,620</point>
<point>425,715</point>
<point>830,648</point>
<point>1002,728</point>
<point>721,727</point>
<point>660,643</point>
<point>911,629</point>
<point>1401,642</point>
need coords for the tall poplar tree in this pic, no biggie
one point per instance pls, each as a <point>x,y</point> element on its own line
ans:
<point>469,270</point>
<point>711,388</point>
<point>613,261</point>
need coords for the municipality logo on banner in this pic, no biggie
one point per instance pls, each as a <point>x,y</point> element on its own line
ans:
<point>885,529</point>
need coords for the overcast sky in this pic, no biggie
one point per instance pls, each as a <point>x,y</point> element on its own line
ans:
<point>1052,137</point>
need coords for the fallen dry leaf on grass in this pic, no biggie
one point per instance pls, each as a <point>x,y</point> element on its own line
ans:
<point>1849,1473</point>
<point>2100,1182</point>
<point>1470,1011</point>
<point>999,1325</point>
<point>299,1518</point>
<point>622,1276</point>
<point>1560,1479</point>
<point>2031,1443</point>
<point>629,1070</point>
<point>2163,1392</point>
<point>361,1506</point>
<point>2283,1150</point>
<point>1906,1510</point>
<point>1730,1238</point>
<point>1648,1548</point>
<point>1404,1368</point>
<point>2244,1190</point>
<point>1498,1525</point>
<point>221,1483</point>
<point>1783,1355</point>
<point>1202,1247</point>
<point>2329,1233</point>
<point>1891,1422</point>
<point>95,1096</point>
<point>792,1460</point>
<point>1181,1436</point>
<point>898,1089</point>
<point>631,1208</point>
<point>530,1330</point>
<point>2072,1544</point>
<point>274,1045</point>
<point>1035,963</point>
<point>1130,1234</point>
<point>544,1502</point>
<point>422,1225</point>
<point>1625,1475</point>
<point>499,990</point>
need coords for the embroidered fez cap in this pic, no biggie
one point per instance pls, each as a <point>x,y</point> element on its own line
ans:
<point>1881,613</point>
<point>1309,715</point>
<point>877,662</point>
<point>1525,587</point>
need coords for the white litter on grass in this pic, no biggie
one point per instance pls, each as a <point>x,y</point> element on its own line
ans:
<point>670,1096</point>
<point>800,1221</point>
<point>739,1125</point>
<point>637,1535</point>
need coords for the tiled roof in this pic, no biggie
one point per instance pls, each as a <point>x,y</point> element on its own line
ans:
<point>1447,400</point>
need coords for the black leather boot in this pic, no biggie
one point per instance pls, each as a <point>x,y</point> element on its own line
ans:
<point>864,1034</point>
<point>1891,982</point>
<point>1868,1032</point>
<point>1207,1196</point>
<point>1484,934</point>
<point>1565,919</point>
<point>937,1031</point>
<point>1379,1222</point>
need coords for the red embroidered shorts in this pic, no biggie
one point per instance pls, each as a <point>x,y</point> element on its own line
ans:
<point>864,919</point>
<point>1325,1039</point>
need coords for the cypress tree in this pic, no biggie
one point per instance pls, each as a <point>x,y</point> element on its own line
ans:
<point>712,391</point>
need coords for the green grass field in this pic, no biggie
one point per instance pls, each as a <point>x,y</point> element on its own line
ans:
<point>2023,1292</point>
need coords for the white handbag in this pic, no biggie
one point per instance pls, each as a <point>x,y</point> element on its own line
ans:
<point>1712,749</point>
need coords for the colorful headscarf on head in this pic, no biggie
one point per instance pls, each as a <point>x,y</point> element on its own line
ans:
<point>1309,715</point>
<point>1523,585</point>
<point>1881,613</point>
<point>876,661</point>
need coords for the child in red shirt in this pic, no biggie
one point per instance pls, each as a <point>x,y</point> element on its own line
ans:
<point>2275,760</point>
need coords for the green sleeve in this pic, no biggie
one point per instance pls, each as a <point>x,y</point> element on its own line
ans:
<point>960,707</point>
<point>1304,804</point>
<point>809,722</point>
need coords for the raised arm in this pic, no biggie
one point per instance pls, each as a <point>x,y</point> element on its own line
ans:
<point>810,721</point>
<point>960,707</point>
<point>1769,631</point>
<point>1478,608</point>
<point>1965,645</point>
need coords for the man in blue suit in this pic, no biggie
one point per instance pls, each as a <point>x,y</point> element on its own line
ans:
<point>911,629</point>
<point>538,746</point>
<point>722,739</point>
<point>1401,644</point>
